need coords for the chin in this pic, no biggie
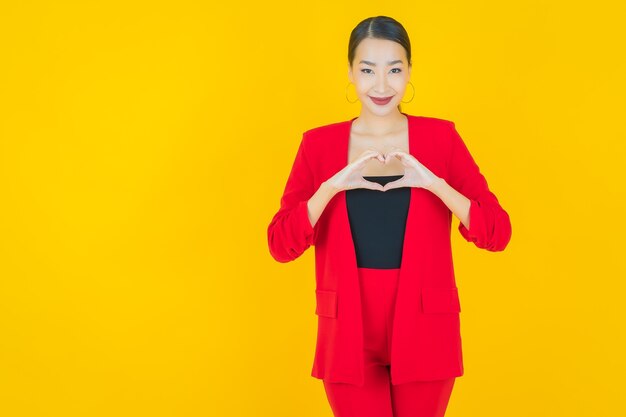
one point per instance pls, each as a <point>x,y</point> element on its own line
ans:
<point>382,110</point>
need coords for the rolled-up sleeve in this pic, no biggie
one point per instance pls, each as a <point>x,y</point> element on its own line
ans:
<point>290,231</point>
<point>490,224</point>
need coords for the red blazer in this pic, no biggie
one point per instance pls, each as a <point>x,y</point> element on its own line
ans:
<point>426,339</point>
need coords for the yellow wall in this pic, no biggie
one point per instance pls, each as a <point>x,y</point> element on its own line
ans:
<point>143,150</point>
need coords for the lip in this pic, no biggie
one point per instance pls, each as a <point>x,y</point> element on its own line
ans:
<point>381,101</point>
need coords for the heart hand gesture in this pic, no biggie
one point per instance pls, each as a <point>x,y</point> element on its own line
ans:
<point>415,173</point>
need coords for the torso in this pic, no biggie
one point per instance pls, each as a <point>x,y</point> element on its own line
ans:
<point>361,141</point>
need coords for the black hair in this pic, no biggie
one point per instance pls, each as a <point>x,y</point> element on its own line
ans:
<point>379,27</point>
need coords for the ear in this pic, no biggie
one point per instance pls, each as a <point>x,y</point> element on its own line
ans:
<point>350,74</point>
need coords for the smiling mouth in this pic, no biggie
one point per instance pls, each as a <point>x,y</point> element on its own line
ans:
<point>381,100</point>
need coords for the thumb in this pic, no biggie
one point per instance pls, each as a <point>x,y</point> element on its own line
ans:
<point>377,186</point>
<point>372,185</point>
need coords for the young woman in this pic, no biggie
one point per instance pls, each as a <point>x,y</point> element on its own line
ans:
<point>375,196</point>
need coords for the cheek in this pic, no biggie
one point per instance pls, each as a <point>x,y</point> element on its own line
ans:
<point>398,84</point>
<point>363,90</point>
<point>364,84</point>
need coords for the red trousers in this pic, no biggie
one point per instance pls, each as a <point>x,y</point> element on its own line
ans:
<point>378,397</point>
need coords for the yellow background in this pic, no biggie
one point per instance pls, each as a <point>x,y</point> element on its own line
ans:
<point>144,148</point>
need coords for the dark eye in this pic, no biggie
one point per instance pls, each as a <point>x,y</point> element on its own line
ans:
<point>399,70</point>
<point>366,69</point>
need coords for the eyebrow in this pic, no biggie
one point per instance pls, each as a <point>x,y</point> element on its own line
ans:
<point>397,61</point>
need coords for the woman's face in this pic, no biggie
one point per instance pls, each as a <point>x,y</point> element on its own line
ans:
<point>380,70</point>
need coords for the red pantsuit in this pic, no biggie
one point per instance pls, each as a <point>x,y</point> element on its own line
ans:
<point>378,397</point>
<point>423,340</point>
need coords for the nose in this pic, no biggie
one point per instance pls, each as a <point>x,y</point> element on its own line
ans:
<point>381,84</point>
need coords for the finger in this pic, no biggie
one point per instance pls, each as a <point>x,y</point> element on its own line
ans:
<point>367,155</point>
<point>401,156</point>
<point>361,160</point>
<point>394,154</point>
<point>379,156</point>
<point>371,185</point>
<point>395,184</point>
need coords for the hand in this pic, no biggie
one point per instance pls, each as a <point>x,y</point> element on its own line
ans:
<point>352,177</point>
<point>415,174</point>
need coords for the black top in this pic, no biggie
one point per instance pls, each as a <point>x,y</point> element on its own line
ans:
<point>378,220</point>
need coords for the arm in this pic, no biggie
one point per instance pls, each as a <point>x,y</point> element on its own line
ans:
<point>466,192</point>
<point>456,202</point>
<point>292,229</point>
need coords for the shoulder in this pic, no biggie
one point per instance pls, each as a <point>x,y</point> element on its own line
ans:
<point>435,124</point>
<point>442,133</point>
<point>433,133</point>
<point>325,138</point>
<point>328,130</point>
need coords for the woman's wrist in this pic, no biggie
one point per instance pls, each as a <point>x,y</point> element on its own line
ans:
<point>436,185</point>
<point>318,201</point>
<point>328,189</point>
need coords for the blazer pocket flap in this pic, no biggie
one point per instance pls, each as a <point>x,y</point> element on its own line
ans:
<point>440,300</point>
<point>326,303</point>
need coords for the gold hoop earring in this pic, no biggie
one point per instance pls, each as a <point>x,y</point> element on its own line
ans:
<point>412,96</point>
<point>351,102</point>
